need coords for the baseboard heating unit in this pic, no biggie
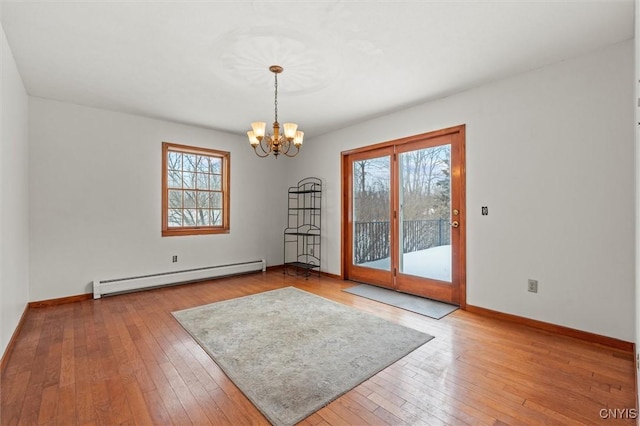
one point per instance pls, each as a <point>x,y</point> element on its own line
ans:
<point>104,287</point>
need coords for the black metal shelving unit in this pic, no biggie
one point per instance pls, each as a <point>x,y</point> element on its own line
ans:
<point>302,247</point>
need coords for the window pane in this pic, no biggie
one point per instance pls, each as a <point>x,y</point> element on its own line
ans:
<point>203,200</point>
<point>202,181</point>
<point>203,217</point>
<point>216,200</point>
<point>174,161</point>
<point>189,163</point>
<point>174,179</point>
<point>189,180</point>
<point>216,217</point>
<point>371,213</point>
<point>189,217</point>
<point>216,183</point>
<point>175,199</point>
<point>424,245</point>
<point>189,199</point>
<point>175,218</point>
<point>203,164</point>
<point>216,165</point>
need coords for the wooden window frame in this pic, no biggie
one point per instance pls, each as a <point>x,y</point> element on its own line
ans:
<point>225,156</point>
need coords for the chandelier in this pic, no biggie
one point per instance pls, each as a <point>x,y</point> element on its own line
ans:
<point>275,143</point>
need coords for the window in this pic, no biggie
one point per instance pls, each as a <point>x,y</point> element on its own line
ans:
<point>195,190</point>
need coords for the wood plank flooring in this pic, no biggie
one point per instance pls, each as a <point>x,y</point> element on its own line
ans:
<point>125,360</point>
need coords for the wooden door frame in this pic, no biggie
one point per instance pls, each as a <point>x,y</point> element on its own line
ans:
<point>457,132</point>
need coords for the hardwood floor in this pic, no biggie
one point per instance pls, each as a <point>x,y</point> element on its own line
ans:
<point>125,360</point>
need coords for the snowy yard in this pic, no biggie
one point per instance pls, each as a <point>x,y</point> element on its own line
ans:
<point>432,263</point>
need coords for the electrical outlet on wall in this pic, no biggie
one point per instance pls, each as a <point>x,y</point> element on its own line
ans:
<point>532,286</point>
<point>174,259</point>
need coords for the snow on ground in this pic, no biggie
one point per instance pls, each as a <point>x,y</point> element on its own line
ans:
<point>434,263</point>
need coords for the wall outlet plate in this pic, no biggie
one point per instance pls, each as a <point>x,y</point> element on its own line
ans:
<point>532,286</point>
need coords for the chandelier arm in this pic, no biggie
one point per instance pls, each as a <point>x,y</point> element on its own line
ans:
<point>292,155</point>
<point>258,154</point>
<point>286,145</point>
<point>262,145</point>
<point>286,152</point>
<point>266,145</point>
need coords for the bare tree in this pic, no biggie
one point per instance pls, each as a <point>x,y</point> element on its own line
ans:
<point>371,189</point>
<point>194,183</point>
<point>421,171</point>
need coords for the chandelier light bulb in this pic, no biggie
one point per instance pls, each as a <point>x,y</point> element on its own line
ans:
<point>259,129</point>
<point>252,138</point>
<point>290,130</point>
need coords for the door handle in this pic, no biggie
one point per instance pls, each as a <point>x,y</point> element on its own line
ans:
<point>455,224</point>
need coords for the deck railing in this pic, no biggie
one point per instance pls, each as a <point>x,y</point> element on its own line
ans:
<point>371,239</point>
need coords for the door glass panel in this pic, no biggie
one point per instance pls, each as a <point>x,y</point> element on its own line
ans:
<point>425,212</point>
<point>371,213</point>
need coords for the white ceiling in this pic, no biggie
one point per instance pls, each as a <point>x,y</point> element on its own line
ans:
<point>206,62</point>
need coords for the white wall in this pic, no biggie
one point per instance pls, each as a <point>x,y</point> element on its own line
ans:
<point>551,153</point>
<point>14,232</point>
<point>95,194</point>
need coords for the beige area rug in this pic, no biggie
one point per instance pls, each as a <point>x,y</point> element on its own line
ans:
<point>291,352</point>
